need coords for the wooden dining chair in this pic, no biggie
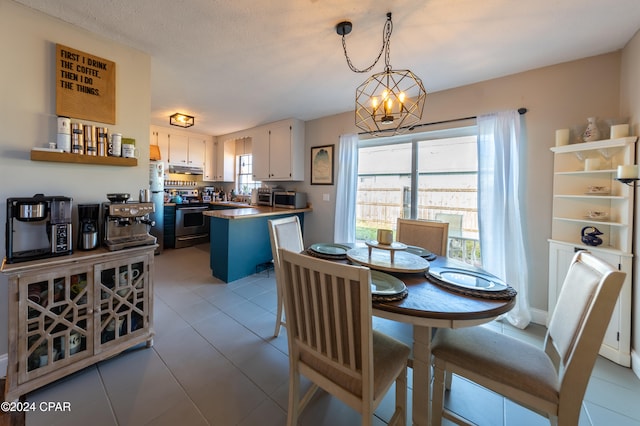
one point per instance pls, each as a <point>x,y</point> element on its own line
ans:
<point>331,340</point>
<point>283,233</point>
<point>550,380</point>
<point>428,234</point>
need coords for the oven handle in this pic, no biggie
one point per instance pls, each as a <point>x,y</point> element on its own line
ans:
<point>193,208</point>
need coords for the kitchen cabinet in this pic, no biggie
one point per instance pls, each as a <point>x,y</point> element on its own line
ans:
<point>67,313</point>
<point>591,197</point>
<point>169,236</point>
<point>178,149</point>
<point>160,137</point>
<point>278,151</point>
<point>209,172</point>
<point>225,161</point>
<point>196,151</point>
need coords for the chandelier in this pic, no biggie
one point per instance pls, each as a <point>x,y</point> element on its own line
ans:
<point>390,101</point>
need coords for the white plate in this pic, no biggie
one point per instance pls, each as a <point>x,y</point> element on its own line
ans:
<point>385,285</point>
<point>468,279</point>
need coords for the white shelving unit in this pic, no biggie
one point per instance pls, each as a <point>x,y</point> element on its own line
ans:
<point>577,193</point>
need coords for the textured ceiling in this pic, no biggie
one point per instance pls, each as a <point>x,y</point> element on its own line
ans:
<point>237,64</point>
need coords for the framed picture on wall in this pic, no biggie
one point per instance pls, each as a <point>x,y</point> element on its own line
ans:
<point>322,165</point>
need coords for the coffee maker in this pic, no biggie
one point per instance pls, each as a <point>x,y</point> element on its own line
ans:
<point>38,227</point>
<point>127,225</point>
<point>88,230</point>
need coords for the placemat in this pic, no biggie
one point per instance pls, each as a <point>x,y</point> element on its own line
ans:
<point>508,293</point>
<point>389,298</point>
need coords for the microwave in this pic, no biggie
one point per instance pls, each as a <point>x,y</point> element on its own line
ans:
<point>290,200</point>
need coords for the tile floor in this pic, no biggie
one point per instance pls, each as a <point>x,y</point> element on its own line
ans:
<point>214,362</point>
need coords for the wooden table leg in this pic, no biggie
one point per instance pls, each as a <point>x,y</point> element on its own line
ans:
<point>421,375</point>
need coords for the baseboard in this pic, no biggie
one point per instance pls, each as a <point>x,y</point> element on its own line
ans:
<point>4,359</point>
<point>635,362</point>
<point>538,316</point>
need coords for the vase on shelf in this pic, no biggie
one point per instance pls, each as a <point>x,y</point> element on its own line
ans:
<point>591,133</point>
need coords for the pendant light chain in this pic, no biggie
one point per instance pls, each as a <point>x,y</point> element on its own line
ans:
<point>386,37</point>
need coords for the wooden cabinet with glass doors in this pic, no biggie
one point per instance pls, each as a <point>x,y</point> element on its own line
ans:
<point>69,312</point>
<point>586,196</point>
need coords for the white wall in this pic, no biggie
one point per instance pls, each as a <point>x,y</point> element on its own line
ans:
<point>28,118</point>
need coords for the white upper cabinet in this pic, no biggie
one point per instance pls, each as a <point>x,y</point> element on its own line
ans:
<point>179,148</point>
<point>278,151</point>
<point>196,151</point>
<point>209,173</point>
<point>160,137</point>
<point>225,157</point>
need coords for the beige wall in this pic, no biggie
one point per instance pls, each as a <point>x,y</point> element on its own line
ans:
<point>556,97</point>
<point>630,107</point>
<point>28,119</point>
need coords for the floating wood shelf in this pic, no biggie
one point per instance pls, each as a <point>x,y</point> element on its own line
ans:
<point>64,157</point>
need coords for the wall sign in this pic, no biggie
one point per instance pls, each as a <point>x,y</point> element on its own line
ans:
<point>85,86</point>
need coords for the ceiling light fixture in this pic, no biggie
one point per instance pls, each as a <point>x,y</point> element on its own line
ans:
<point>389,101</point>
<point>181,120</point>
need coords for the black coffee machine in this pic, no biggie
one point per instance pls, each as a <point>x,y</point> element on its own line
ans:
<point>38,227</point>
<point>88,216</point>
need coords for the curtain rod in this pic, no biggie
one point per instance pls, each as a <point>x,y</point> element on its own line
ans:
<point>521,111</point>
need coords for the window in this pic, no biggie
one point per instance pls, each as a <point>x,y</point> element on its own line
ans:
<point>245,182</point>
<point>430,176</point>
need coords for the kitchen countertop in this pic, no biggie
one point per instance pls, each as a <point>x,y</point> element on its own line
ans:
<point>246,212</point>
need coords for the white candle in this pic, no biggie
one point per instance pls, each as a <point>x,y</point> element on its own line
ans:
<point>562,137</point>
<point>619,131</point>
<point>628,172</point>
<point>592,164</point>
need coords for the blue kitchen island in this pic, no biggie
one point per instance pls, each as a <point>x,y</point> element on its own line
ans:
<point>239,238</point>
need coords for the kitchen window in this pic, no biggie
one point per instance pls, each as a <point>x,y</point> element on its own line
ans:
<point>430,176</point>
<point>245,182</point>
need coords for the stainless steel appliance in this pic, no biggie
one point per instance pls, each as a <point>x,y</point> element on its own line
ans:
<point>88,216</point>
<point>290,199</point>
<point>265,196</point>
<point>156,187</point>
<point>38,227</point>
<point>127,225</point>
<point>192,227</point>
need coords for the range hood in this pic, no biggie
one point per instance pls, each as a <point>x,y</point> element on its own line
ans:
<point>185,170</point>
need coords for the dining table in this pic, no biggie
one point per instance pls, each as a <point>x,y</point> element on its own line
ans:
<point>427,304</point>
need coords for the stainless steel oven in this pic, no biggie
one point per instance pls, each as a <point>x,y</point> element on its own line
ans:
<point>192,227</point>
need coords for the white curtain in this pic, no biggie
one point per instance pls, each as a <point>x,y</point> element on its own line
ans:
<point>501,146</point>
<point>347,186</point>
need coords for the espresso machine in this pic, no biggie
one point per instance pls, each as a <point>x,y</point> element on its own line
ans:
<point>88,216</point>
<point>127,225</point>
<point>38,227</point>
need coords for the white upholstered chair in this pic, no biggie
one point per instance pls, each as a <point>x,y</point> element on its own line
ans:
<point>551,381</point>
<point>428,234</point>
<point>331,341</point>
<point>283,233</point>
